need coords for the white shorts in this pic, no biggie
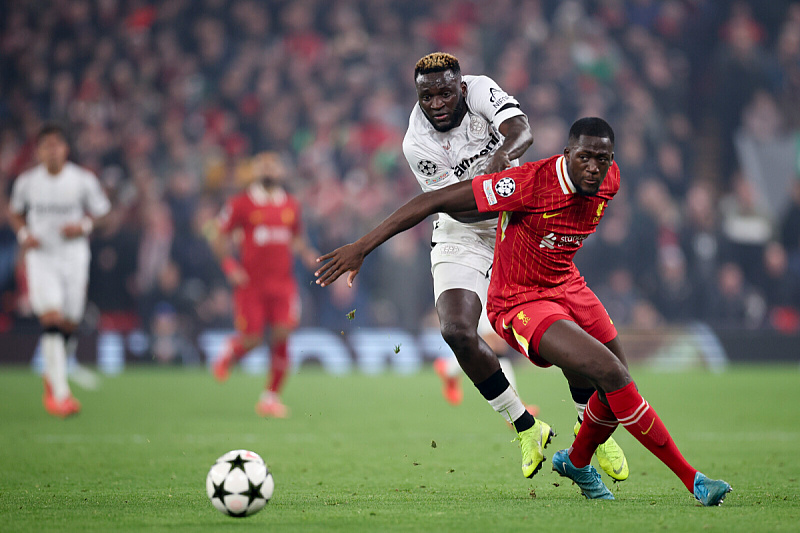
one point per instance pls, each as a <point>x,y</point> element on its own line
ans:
<point>57,283</point>
<point>454,276</point>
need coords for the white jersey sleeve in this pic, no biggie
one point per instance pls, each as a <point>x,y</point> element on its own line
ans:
<point>95,200</point>
<point>486,98</point>
<point>20,194</point>
<point>428,165</point>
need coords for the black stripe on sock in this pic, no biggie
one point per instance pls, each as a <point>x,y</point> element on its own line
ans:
<point>581,395</point>
<point>493,386</point>
<point>526,421</point>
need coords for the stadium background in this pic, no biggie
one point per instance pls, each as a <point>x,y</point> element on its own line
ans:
<point>698,261</point>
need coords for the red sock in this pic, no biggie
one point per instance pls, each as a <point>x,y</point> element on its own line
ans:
<point>598,424</point>
<point>280,364</point>
<point>642,422</point>
<point>235,349</point>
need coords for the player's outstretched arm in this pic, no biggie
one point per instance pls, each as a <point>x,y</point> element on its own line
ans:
<point>348,258</point>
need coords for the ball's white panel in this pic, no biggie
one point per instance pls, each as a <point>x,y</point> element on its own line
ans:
<point>236,503</point>
<point>236,481</point>
<point>256,471</point>
<point>268,487</point>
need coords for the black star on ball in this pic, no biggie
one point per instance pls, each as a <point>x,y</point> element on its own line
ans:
<point>253,492</point>
<point>237,462</point>
<point>219,491</point>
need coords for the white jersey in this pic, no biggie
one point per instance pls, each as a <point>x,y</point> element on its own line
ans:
<point>439,159</point>
<point>48,202</point>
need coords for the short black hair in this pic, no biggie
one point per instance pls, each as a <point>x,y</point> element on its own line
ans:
<point>50,128</point>
<point>591,127</point>
<point>437,62</point>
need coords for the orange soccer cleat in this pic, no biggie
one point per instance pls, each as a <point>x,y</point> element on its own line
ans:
<point>271,408</point>
<point>451,385</point>
<point>62,409</point>
<point>222,367</point>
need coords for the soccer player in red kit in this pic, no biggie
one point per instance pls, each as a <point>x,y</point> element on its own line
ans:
<point>265,291</point>
<point>539,302</point>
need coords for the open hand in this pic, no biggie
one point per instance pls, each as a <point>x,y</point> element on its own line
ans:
<point>348,258</point>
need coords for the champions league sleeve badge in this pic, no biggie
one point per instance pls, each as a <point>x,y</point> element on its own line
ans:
<point>505,187</point>
<point>428,168</point>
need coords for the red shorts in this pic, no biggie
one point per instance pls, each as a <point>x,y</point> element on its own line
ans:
<point>254,309</point>
<point>523,326</point>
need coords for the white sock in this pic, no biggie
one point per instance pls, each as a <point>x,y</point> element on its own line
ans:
<point>508,370</point>
<point>580,407</point>
<point>452,369</point>
<point>509,405</point>
<point>55,364</point>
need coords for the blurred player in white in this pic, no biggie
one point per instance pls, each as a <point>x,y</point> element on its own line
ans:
<point>53,210</point>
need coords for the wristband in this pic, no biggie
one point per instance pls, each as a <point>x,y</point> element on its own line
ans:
<point>87,225</point>
<point>229,265</point>
<point>23,234</point>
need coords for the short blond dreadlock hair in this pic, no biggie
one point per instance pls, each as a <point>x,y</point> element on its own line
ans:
<point>437,62</point>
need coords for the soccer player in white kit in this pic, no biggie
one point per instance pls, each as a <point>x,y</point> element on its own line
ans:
<point>53,209</point>
<point>462,127</point>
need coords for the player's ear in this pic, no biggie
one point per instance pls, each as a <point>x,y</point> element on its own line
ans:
<point>612,157</point>
<point>464,88</point>
<point>566,152</point>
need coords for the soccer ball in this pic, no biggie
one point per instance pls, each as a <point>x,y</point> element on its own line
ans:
<point>239,484</point>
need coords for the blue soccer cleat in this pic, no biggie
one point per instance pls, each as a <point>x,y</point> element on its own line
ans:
<point>586,478</point>
<point>710,491</point>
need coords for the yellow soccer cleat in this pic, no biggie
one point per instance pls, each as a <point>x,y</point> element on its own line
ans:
<point>611,458</point>
<point>533,441</point>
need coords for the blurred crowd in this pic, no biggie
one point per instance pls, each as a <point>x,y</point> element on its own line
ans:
<point>166,101</point>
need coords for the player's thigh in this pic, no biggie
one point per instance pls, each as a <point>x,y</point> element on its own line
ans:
<point>589,312</point>
<point>45,289</point>
<point>75,280</point>
<point>282,311</point>
<point>566,345</point>
<point>523,326</point>
<point>460,292</point>
<point>248,311</point>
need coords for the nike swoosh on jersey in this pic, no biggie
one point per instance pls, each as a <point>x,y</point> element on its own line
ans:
<point>550,215</point>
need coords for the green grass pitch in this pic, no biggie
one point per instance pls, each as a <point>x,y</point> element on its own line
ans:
<point>386,453</point>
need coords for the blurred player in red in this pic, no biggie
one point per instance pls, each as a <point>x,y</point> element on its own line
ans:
<point>265,221</point>
<point>539,302</point>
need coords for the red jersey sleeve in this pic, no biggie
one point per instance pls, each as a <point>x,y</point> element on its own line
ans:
<point>230,217</point>
<point>297,224</point>
<point>509,190</point>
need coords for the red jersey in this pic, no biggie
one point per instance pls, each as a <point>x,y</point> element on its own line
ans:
<point>543,223</point>
<point>269,223</point>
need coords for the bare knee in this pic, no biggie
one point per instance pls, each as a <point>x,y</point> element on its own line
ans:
<point>250,341</point>
<point>462,338</point>
<point>612,375</point>
<point>51,319</point>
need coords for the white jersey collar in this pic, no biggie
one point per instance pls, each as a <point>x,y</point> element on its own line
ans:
<point>261,196</point>
<point>563,176</point>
